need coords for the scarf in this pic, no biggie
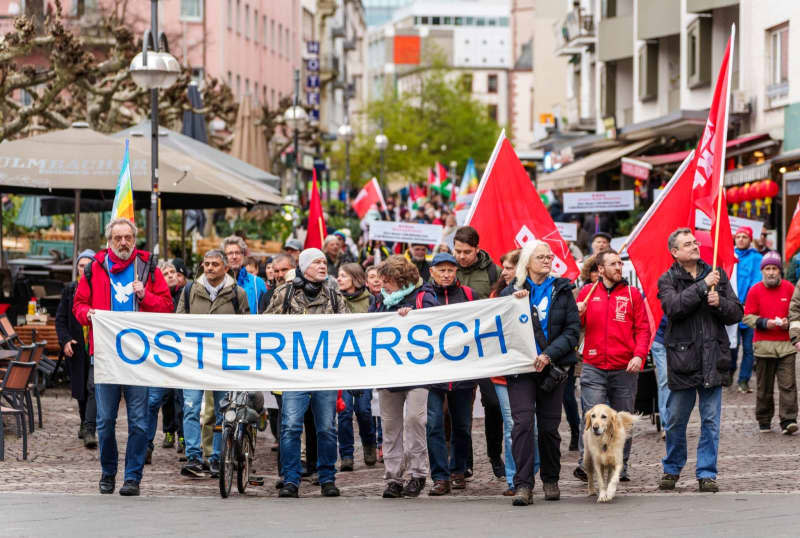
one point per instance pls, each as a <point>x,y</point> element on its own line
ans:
<point>213,291</point>
<point>311,289</point>
<point>355,294</point>
<point>391,299</point>
<point>118,265</point>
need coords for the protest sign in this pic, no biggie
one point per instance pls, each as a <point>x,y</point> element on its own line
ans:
<point>405,232</point>
<point>598,202</point>
<point>568,230</point>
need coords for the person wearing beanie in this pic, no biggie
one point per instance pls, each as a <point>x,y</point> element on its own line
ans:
<point>768,312</point>
<point>72,339</point>
<point>310,292</point>
<point>748,273</point>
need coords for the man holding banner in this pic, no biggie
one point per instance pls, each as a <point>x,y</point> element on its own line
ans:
<point>123,279</point>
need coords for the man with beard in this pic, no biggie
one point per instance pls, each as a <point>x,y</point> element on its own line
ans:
<point>123,279</point>
<point>615,346</point>
<point>418,254</point>
<point>767,310</point>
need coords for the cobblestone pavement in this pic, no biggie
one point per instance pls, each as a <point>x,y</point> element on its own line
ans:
<point>750,462</point>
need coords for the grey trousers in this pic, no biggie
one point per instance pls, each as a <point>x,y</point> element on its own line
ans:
<point>404,413</point>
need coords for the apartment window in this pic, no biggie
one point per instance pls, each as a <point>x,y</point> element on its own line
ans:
<point>238,16</point>
<point>280,39</point>
<point>272,33</point>
<point>470,21</point>
<point>288,46</point>
<point>230,14</point>
<point>191,10</point>
<point>504,21</point>
<point>493,112</point>
<point>492,84</point>
<point>198,75</point>
<point>266,30</point>
<point>247,86</point>
<point>491,22</point>
<point>255,26</point>
<point>255,91</point>
<point>436,21</point>
<point>423,20</point>
<point>230,80</point>
<point>238,85</point>
<point>466,82</point>
<point>264,95</point>
<point>416,20</point>
<point>480,21</point>
<point>447,20</point>
<point>648,72</point>
<point>698,36</point>
<point>458,21</point>
<point>247,22</point>
<point>779,55</point>
<point>274,103</point>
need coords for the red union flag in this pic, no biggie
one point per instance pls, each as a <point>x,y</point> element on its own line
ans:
<point>507,211</point>
<point>316,218</point>
<point>367,197</point>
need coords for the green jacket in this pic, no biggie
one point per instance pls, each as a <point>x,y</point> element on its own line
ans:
<point>328,301</point>
<point>359,301</point>
<point>200,301</point>
<point>480,276</point>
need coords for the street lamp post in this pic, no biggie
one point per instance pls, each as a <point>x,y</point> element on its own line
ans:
<point>296,117</point>
<point>346,133</point>
<point>151,70</point>
<point>382,142</point>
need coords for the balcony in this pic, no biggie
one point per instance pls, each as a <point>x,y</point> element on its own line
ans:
<point>615,39</point>
<point>574,31</point>
<point>328,67</point>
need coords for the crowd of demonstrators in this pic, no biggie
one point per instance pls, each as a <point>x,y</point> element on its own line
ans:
<point>748,273</point>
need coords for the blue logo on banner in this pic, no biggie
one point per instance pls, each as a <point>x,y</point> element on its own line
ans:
<point>523,318</point>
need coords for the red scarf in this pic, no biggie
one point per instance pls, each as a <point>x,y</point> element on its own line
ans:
<point>119,265</point>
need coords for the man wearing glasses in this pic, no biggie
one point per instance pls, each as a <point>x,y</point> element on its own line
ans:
<point>235,250</point>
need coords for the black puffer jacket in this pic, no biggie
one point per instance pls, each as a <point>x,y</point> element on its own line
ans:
<point>563,324</point>
<point>698,349</point>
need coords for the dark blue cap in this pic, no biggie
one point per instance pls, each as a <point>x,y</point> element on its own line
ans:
<point>444,257</point>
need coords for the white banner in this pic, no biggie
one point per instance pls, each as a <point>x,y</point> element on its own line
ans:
<point>568,230</point>
<point>475,340</point>
<point>598,202</point>
<point>405,232</point>
<point>704,223</point>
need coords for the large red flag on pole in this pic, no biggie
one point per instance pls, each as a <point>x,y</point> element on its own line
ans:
<point>316,219</point>
<point>507,211</point>
<point>367,197</point>
<point>793,235</point>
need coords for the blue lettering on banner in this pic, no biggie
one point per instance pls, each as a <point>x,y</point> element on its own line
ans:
<point>164,347</point>
<point>199,337</point>
<point>145,341</point>
<point>233,351</point>
<point>420,343</point>
<point>387,346</point>
<point>349,336</point>
<point>498,333</point>
<point>322,343</point>
<point>274,351</point>
<point>445,354</point>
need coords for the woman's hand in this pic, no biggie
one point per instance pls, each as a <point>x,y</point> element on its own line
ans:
<point>405,310</point>
<point>521,294</point>
<point>540,362</point>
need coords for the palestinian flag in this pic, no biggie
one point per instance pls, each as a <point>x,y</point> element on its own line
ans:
<point>416,197</point>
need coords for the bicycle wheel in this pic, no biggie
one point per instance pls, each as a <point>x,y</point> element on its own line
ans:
<point>226,463</point>
<point>245,458</point>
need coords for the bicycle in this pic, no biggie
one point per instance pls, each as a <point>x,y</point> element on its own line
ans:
<point>242,416</point>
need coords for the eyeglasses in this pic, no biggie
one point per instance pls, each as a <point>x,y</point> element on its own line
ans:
<point>118,238</point>
<point>544,258</point>
<point>233,253</point>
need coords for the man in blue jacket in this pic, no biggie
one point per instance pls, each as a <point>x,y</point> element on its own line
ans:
<point>235,250</point>
<point>748,273</point>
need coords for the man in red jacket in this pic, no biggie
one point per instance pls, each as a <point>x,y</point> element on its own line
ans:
<point>123,279</point>
<point>615,346</point>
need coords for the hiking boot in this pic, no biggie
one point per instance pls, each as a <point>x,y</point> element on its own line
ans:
<point>169,440</point>
<point>440,487</point>
<point>743,387</point>
<point>213,468</point>
<point>180,446</point>
<point>668,481</point>
<point>370,456</point>
<point>708,485</point>
<point>148,457</point>
<point>580,474</point>
<point>329,489</point>
<point>89,439</point>
<point>790,428</point>
<point>81,430</point>
<point>107,484</point>
<point>288,491</point>
<point>193,469</point>
<point>346,465</point>
<point>129,489</point>
<point>551,491</point>
<point>458,481</point>
<point>414,487</point>
<point>498,467</point>
<point>523,497</point>
<point>764,428</point>
<point>573,441</point>
<point>727,379</point>
<point>394,490</point>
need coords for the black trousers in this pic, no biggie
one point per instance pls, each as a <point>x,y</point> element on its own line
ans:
<point>493,424</point>
<point>88,407</point>
<point>526,399</point>
<point>571,403</point>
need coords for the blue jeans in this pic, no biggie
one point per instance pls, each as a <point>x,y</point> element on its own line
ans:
<point>192,430</point>
<point>362,405</point>
<point>293,409</point>
<point>108,397</point>
<point>508,425</point>
<point>680,404</point>
<point>659,353</point>
<point>746,343</point>
<point>155,399</point>
<point>459,404</point>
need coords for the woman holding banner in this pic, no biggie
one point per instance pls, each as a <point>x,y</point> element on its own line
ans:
<point>400,279</point>
<point>556,328</point>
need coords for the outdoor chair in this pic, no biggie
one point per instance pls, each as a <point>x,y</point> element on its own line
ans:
<point>14,390</point>
<point>10,337</point>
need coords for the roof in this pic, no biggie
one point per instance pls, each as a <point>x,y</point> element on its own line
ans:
<point>679,156</point>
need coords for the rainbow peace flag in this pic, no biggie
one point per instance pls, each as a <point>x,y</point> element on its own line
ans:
<point>123,199</point>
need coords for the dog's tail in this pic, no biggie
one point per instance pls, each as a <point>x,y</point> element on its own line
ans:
<point>627,420</point>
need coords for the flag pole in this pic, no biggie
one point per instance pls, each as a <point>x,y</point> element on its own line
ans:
<point>720,194</point>
<point>486,172</point>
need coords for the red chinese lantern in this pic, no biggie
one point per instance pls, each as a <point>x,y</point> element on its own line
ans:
<point>772,190</point>
<point>746,196</point>
<point>758,191</point>
<point>733,196</point>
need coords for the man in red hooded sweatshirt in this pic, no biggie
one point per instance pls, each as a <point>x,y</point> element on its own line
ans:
<point>123,279</point>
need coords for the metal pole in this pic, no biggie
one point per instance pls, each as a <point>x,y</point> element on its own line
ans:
<point>296,134</point>
<point>152,231</point>
<point>383,165</point>
<point>183,235</point>
<point>347,171</point>
<point>2,250</point>
<point>76,232</point>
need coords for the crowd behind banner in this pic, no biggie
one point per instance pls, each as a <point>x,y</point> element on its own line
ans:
<point>594,332</point>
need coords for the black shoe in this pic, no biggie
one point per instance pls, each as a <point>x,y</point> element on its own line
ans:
<point>624,478</point>
<point>370,455</point>
<point>288,490</point>
<point>498,467</point>
<point>129,489</point>
<point>279,483</point>
<point>346,465</point>
<point>573,442</point>
<point>394,490</point>
<point>81,431</point>
<point>468,473</point>
<point>329,489</point>
<point>89,438</point>
<point>107,483</point>
<point>414,487</point>
<point>180,446</point>
<point>193,469</point>
<point>213,468</point>
<point>668,481</point>
<point>727,379</point>
<point>148,458</point>
<point>708,485</point>
<point>580,474</point>
<point>551,491</point>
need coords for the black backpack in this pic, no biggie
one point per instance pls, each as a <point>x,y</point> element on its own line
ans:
<point>187,289</point>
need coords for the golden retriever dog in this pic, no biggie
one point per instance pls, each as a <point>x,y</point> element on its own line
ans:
<point>603,442</point>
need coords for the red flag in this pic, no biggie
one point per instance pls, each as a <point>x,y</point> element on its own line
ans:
<point>316,219</point>
<point>793,235</point>
<point>507,211</point>
<point>367,197</point>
